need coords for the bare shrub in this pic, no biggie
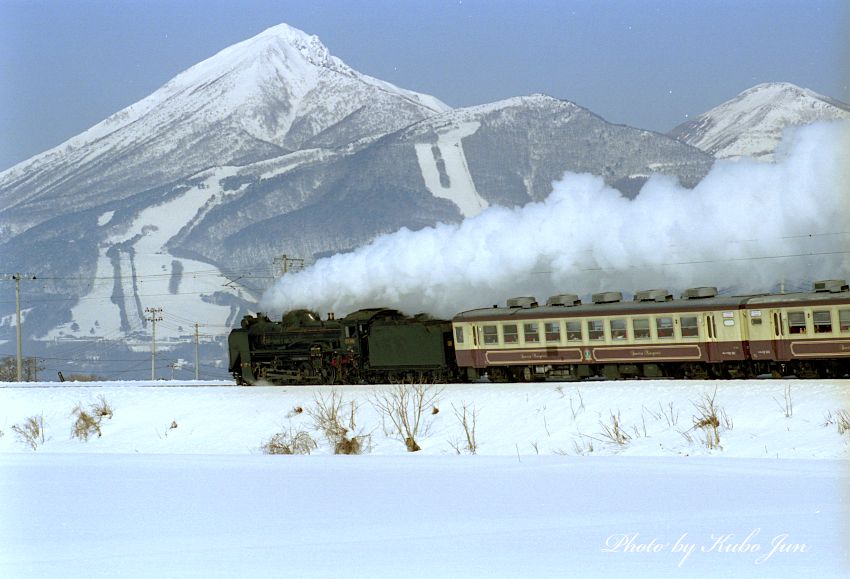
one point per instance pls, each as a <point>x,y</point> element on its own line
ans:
<point>290,442</point>
<point>468,417</point>
<point>841,420</point>
<point>82,378</point>
<point>708,418</point>
<point>31,432</point>
<point>580,406</point>
<point>786,406</point>
<point>670,415</point>
<point>613,432</point>
<point>328,419</point>
<point>404,407</point>
<point>326,415</point>
<point>102,408</point>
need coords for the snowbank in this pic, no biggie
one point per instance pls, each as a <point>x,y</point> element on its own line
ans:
<point>176,485</point>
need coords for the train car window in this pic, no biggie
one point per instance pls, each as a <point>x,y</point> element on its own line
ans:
<point>641,327</point>
<point>509,331</point>
<point>823,321</point>
<point>796,322</point>
<point>531,332</point>
<point>552,331</point>
<point>574,331</point>
<point>459,335</point>
<point>595,329</point>
<point>844,320</point>
<point>618,329</point>
<point>664,327</point>
<point>491,334</point>
<point>689,327</point>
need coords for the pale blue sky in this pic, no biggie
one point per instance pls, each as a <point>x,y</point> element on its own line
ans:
<point>68,64</point>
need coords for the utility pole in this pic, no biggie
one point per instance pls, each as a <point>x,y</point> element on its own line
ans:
<point>289,264</point>
<point>153,319</point>
<point>19,358</point>
<point>197,359</point>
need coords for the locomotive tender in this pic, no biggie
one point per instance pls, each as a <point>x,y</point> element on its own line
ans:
<point>699,335</point>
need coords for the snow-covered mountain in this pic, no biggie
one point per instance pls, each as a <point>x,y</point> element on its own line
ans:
<point>443,168</point>
<point>183,200</point>
<point>278,92</point>
<point>751,124</point>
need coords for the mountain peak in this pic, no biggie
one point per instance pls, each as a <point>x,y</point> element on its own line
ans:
<point>309,45</point>
<point>751,123</point>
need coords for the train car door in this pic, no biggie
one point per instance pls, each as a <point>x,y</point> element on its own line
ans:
<point>711,337</point>
<point>778,336</point>
<point>765,333</point>
<point>727,335</point>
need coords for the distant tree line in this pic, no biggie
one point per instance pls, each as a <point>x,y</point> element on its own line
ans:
<point>30,367</point>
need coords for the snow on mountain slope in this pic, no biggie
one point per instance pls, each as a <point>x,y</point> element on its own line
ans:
<point>269,95</point>
<point>446,171</point>
<point>751,124</point>
<point>135,271</point>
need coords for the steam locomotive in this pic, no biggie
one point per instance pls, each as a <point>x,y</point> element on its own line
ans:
<point>376,345</point>
<point>699,335</point>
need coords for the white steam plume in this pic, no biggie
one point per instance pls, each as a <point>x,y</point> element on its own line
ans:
<point>746,227</point>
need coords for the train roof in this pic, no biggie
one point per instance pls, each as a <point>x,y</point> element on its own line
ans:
<point>799,298</point>
<point>833,293</point>
<point>604,309</point>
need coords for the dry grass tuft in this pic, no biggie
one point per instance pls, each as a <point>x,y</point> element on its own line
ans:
<point>289,443</point>
<point>85,425</point>
<point>614,432</point>
<point>88,421</point>
<point>31,432</point>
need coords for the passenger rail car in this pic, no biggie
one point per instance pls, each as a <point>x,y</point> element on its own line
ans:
<point>700,335</point>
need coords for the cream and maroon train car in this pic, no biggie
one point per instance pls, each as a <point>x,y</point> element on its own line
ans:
<point>806,334</point>
<point>699,335</point>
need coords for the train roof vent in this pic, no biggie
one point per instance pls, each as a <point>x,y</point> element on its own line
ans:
<point>831,285</point>
<point>607,297</point>
<point>653,295</point>
<point>698,293</point>
<point>564,300</point>
<point>523,302</point>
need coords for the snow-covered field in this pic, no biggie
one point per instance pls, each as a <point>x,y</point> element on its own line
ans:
<point>176,485</point>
